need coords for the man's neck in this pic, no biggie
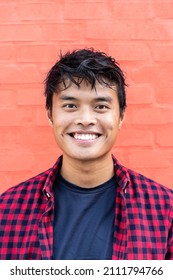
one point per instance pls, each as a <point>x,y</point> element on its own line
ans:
<point>87,174</point>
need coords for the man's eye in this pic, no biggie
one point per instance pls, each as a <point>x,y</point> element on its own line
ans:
<point>101,107</point>
<point>69,106</point>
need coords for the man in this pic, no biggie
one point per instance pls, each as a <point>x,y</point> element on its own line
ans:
<point>87,206</point>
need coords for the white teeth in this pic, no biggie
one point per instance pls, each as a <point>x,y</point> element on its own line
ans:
<point>85,136</point>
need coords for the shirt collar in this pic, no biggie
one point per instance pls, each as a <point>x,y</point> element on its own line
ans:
<point>121,174</point>
<point>51,176</point>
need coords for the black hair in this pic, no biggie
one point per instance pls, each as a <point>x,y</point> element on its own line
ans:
<point>89,66</point>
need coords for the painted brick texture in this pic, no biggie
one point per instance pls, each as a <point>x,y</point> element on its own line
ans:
<point>138,33</point>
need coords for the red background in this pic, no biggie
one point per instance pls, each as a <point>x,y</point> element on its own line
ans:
<point>139,34</point>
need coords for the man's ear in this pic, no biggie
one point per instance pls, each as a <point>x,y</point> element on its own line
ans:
<point>121,122</point>
<point>50,117</point>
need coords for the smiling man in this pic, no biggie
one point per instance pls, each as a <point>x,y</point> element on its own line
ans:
<point>85,122</point>
<point>87,206</point>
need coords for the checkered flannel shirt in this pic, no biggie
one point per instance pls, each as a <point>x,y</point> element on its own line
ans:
<point>143,226</point>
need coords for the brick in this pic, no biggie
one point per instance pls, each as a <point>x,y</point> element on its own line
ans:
<point>108,30</point>
<point>171,154</point>
<point>140,94</point>
<point>166,180</point>
<point>37,53</point>
<point>7,99</point>
<point>158,174</point>
<point>124,155</point>
<point>49,11</point>
<point>16,117</point>
<point>7,52</point>
<point>163,9</point>
<point>130,51</point>
<point>149,158</point>
<point>26,140</point>
<point>152,115</point>
<point>87,10</point>
<point>62,31</point>
<point>130,136</point>
<point>17,11</point>
<point>144,74</point>
<point>44,69</point>
<point>18,139</point>
<point>163,53</point>
<point>37,138</point>
<point>164,95</point>
<point>11,178</point>
<point>15,73</point>
<point>133,9</point>
<point>147,30</point>
<point>159,75</point>
<point>36,32</point>
<point>121,154</point>
<point>40,117</point>
<point>128,114</point>
<point>164,135</point>
<point>148,171</point>
<point>4,182</point>
<point>20,32</point>
<point>16,162</point>
<point>44,32</point>
<point>42,164</point>
<point>7,11</point>
<point>43,140</point>
<point>31,96</point>
<point>49,54</point>
<point>103,46</point>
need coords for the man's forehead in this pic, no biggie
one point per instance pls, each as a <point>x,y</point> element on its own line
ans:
<point>78,82</point>
<point>99,90</point>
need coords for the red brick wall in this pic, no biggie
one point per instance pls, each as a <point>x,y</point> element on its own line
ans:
<point>138,33</point>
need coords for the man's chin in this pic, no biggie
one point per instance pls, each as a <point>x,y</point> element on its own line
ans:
<point>88,158</point>
<point>84,158</point>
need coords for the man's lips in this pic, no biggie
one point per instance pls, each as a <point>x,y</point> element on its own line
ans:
<point>85,136</point>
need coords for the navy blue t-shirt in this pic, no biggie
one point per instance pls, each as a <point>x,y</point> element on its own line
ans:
<point>83,221</point>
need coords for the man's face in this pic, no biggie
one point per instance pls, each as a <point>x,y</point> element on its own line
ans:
<point>86,121</point>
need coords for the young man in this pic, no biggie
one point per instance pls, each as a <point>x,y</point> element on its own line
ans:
<point>87,206</point>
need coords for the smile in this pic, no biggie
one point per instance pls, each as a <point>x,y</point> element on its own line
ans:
<point>85,137</point>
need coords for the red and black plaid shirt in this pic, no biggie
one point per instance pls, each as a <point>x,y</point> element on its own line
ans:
<point>143,218</point>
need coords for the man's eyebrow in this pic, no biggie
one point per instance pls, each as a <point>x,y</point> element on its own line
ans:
<point>97,99</point>
<point>66,97</point>
<point>104,99</point>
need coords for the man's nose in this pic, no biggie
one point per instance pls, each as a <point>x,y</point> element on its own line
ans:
<point>85,117</point>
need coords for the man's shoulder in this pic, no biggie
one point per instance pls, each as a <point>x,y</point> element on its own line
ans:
<point>34,185</point>
<point>30,186</point>
<point>149,186</point>
<point>143,183</point>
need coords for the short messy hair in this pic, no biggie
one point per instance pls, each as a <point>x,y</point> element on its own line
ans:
<point>89,66</point>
